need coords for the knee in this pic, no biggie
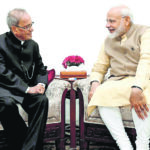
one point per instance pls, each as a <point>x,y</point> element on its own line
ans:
<point>8,105</point>
<point>9,102</point>
<point>44,100</point>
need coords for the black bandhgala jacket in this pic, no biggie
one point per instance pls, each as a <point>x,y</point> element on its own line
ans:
<point>21,66</point>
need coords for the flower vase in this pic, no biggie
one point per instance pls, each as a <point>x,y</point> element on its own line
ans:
<point>75,68</point>
<point>72,68</point>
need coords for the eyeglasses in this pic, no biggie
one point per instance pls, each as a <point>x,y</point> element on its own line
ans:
<point>27,27</point>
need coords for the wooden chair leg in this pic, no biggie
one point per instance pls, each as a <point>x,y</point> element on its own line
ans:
<point>84,145</point>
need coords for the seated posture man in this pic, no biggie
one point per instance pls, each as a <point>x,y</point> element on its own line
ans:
<point>126,52</point>
<point>23,79</point>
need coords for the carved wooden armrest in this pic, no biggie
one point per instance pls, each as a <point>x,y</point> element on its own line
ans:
<point>54,94</point>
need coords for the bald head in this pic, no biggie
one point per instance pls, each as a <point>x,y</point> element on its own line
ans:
<point>117,9</point>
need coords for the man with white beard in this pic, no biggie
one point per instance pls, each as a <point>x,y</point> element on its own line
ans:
<point>126,52</point>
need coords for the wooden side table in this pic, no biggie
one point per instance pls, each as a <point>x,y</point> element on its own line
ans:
<point>72,97</point>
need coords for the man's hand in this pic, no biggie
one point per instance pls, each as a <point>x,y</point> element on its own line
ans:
<point>38,89</point>
<point>92,90</point>
<point>138,101</point>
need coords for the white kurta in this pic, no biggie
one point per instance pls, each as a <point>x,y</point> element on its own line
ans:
<point>115,93</point>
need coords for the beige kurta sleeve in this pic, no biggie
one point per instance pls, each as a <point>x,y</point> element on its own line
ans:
<point>101,66</point>
<point>143,69</point>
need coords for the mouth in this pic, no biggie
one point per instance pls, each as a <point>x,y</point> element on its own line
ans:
<point>111,30</point>
<point>29,34</point>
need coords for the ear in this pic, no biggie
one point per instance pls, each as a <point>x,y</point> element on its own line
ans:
<point>14,29</point>
<point>128,20</point>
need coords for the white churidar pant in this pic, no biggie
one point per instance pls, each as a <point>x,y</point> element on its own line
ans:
<point>111,116</point>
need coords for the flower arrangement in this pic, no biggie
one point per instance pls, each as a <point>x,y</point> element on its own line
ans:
<point>73,60</point>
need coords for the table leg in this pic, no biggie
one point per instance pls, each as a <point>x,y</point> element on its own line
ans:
<point>72,118</point>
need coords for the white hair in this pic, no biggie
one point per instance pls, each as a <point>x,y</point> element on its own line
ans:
<point>14,16</point>
<point>127,12</point>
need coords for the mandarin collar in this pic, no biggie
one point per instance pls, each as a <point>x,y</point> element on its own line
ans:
<point>130,30</point>
<point>15,40</point>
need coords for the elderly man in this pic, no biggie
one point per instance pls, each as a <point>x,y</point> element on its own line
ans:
<point>23,80</point>
<point>126,52</point>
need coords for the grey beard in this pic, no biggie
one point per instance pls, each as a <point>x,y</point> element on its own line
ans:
<point>114,35</point>
<point>117,33</point>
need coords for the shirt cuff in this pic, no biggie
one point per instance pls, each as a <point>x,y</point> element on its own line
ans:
<point>27,90</point>
<point>136,87</point>
<point>94,81</point>
<point>42,84</point>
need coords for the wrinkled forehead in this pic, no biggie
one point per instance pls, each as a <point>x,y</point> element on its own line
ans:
<point>25,19</point>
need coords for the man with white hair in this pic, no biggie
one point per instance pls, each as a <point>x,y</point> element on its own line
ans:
<point>126,52</point>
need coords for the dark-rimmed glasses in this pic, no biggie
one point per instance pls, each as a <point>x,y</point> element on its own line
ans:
<point>27,27</point>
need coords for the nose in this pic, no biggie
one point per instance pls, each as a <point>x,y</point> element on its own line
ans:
<point>31,29</point>
<point>107,24</point>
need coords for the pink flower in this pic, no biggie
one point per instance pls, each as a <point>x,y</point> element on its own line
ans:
<point>72,61</point>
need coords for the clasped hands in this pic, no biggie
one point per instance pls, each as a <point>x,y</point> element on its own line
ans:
<point>137,100</point>
<point>37,89</point>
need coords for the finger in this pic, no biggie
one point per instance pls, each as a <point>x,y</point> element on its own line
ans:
<point>89,98</point>
<point>143,110</point>
<point>145,113</point>
<point>40,87</point>
<point>146,107</point>
<point>40,91</point>
<point>139,113</point>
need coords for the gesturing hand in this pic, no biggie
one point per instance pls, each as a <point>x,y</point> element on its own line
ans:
<point>138,101</point>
